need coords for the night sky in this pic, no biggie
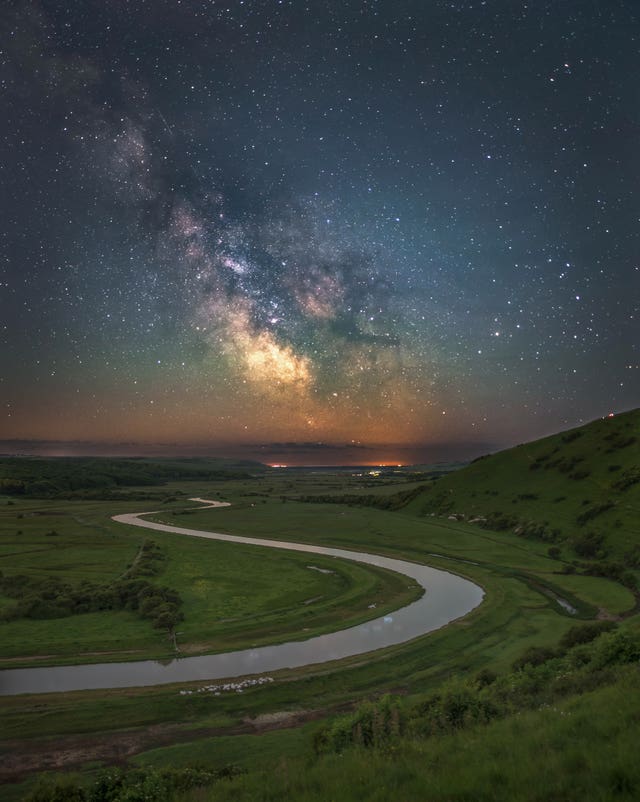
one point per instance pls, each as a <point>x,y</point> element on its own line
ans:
<point>287,228</point>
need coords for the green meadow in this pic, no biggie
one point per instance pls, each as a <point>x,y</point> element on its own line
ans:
<point>539,540</point>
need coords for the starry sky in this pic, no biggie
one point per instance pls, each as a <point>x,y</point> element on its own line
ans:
<point>321,231</point>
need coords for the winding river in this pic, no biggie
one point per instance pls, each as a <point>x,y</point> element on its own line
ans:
<point>446,598</point>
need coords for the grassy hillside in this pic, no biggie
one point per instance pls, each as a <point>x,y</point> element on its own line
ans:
<point>578,490</point>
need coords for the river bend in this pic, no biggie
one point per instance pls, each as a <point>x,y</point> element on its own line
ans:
<point>446,598</point>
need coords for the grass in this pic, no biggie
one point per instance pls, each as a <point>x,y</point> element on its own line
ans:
<point>583,749</point>
<point>250,752</point>
<point>578,749</point>
<point>597,591</point>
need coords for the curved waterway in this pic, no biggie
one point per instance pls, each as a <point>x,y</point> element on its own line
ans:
<point>446,598</point>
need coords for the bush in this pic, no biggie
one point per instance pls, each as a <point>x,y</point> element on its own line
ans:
<point>151,785</point>
<point>593,512</point>
<point>485,677</point>
<point>615,648</point>
<point>499,521</point>
<point>590,545</point>
<point>627,479</point>
<point>578,475</point>
<point>585,633</point>
<point>632,557</point>
<point>372,725</point>
<point>458,705</point>
<point>613,570</point>
<point>534,656</point>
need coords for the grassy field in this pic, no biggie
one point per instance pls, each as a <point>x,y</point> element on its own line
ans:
<point>521,577</point>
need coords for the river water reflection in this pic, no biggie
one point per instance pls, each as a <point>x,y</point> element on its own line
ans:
<point>446,598</point>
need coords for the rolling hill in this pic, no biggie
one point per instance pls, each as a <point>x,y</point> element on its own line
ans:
<point>578,489</point>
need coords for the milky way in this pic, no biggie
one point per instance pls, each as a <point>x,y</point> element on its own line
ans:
<point>369,223</point>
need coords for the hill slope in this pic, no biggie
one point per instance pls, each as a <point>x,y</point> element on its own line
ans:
<point>580,488</point>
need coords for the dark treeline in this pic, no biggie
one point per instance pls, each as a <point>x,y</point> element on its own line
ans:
<point>64,477</point>
<point>392,502</point>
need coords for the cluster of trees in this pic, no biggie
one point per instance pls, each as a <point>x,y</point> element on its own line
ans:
<point>68,477</point>
<point>565,464</point>
<point>584,658</point>
<point>51,597</point>
<point>392,502</point>
<point>627,479</point>
<point>592,512</point>
<point>618,440</point>
<point>590,545</point>
<point>612,569</point>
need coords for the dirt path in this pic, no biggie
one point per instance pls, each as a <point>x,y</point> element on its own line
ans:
<point>23,757</point>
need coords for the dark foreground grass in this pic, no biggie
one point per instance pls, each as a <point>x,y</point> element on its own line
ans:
<point>583,749</point>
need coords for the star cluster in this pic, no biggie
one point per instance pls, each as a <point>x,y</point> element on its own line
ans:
<point>254,221</point>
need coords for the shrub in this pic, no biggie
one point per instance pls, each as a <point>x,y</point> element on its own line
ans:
<point>372,725</point>
<point>627,479</point>
<point>632,557</point>
<point>151,785</point>
<point>578,475</point>
<point>485,677</point>
<point>533,656</point>
<point>593,512</point>
<point>499,521</point>
<point>612,570</point>
<point>585,633</point>
<point>458,705</point>
<point>615,648</point>
<point>590,545</point>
